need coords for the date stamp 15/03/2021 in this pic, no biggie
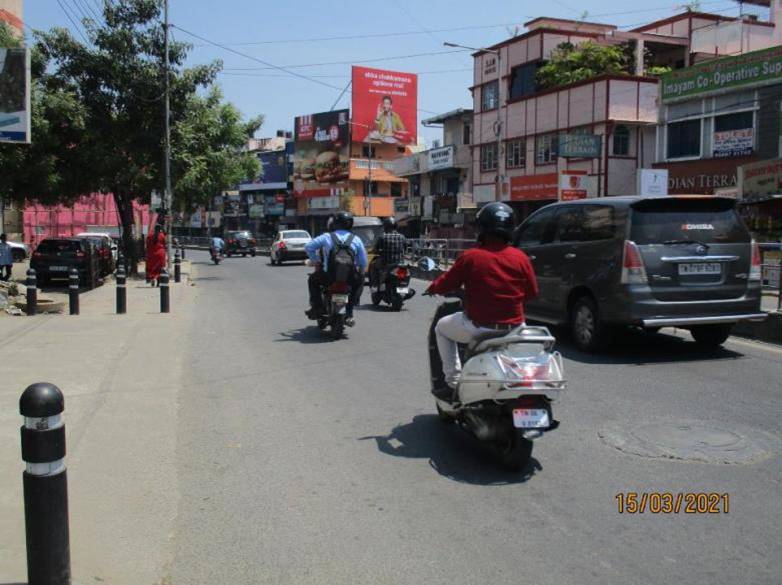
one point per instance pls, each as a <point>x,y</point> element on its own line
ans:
<point>673,503</point>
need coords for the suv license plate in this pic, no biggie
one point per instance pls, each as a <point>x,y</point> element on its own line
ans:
<point>530,418</point>
<point>700,268</point>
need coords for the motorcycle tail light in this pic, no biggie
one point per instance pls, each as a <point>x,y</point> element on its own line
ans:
<point>339,287</point>
<point>401,273</point>
<point>282,246</point>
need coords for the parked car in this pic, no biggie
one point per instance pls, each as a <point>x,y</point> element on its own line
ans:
<point>113,241</point>
<point>54,258</point>
<point>240,242</point>
<point>105,248</point>
<point>19,251</point>
<point>289,245</point>
<point>651,262</point>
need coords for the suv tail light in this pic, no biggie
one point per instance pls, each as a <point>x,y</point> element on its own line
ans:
<point>633,269</point>
<point>755,268</point>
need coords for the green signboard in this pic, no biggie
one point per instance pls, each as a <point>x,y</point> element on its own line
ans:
<point>579,146</point>
<point>743,71</point>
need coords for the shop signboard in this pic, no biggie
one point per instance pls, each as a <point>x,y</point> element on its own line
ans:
<point>534,187</point>
<point>753,69</point>
<point>385,106</point>
<point>256,210</point>
<point>401,205</point>
<point>321,158</point>
<point>573,185</point>
<point>196,219</point>
<point>703,176</point>
<point>652,182</point>
<point>579,146</point>
<point>275,209</point>
<point>440,158</point>
<point>760,179</point>
<point>734,142</point>
<point>321,203</point>
<point>232,203</point>
<point>15,95</point>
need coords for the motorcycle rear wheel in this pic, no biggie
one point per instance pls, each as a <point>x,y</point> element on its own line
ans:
<point>376,298</point>
<point>396,304</point>
<point>514,451</point>
<point>337,326</point>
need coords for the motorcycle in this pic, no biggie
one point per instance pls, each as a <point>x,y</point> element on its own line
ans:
<point>215,255</point>
<point>509,381</point>
<point>392,287</point>
<point>335,302</point>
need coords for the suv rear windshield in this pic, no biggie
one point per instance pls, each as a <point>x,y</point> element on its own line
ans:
<point>710,221</point>
<point>240,235</point>
<point>58,246</point>
<point>295,234</point>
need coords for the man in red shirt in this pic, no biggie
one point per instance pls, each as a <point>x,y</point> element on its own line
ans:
<point>497,279</point>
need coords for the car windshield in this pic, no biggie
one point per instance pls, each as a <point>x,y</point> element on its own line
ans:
<point>295,234</point>
<point>58,246</point>
<point>681,221</point>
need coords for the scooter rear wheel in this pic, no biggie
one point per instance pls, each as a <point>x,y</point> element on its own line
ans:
<point>514,451</point>
<point>443,418</point>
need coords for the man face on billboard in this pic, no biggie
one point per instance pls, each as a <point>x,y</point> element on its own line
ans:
<point>388,124</point>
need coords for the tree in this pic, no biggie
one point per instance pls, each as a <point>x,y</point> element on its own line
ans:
<point>206,149</point>
<point>570,63</point>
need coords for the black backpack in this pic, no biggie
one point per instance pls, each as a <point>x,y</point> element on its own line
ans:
<point>342,259</point>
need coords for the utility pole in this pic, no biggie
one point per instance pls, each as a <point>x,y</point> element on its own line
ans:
<point>368,195</point>
<point>167,199</point>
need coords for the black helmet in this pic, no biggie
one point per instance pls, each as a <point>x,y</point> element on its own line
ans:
<point>495,219</point>
<point>389,224</point>
<point>342,220</point>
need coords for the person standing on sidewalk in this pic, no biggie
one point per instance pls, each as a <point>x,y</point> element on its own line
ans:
<point>6,259</point>
<point>156,254</point>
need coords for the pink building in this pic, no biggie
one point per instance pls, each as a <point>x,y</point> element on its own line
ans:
<point>524,166</point>
<point>96,212</point>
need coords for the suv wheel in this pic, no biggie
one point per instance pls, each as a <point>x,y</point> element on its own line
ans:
<point>711,335</point>
<point>589,333</point>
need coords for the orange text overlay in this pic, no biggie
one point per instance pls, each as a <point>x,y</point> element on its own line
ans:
<point>672,503</point>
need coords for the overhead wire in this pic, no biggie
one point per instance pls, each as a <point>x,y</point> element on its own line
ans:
<point>350,61</point>
<point>74,21</point>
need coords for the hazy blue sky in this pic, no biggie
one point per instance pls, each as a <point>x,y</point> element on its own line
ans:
<point>281,31</point>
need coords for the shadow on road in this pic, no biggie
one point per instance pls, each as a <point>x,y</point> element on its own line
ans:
<point>310,334</point>
<point>635,347</point>
<point>451,453</point>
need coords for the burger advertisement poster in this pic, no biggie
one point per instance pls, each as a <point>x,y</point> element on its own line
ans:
<point>322,158</point>
<point>385,106</point>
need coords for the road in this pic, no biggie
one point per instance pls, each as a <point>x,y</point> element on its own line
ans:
<point>301,460</point>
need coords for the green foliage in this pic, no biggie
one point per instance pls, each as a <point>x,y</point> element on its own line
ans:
<point>569,63</point>
<point>657,70</point>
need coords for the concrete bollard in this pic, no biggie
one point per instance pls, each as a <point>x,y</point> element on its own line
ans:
<point>45,485</point>
<point>122,294</point>
<point>32,292</point>
<point>73,291</point>
<point>177,267</point>
<point>165,305</point>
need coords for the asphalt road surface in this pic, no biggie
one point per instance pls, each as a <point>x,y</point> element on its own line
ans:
<point>302,460</point>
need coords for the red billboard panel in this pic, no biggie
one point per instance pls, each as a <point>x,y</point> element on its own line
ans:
<point>534,187</point>
<point>385,106</point>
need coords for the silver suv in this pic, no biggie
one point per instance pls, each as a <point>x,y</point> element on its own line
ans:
<point>650,262</point>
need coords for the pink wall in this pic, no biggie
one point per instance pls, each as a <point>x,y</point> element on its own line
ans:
<point>59,221</point>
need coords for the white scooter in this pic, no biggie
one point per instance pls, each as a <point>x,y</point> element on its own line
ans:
<point>509,381</point>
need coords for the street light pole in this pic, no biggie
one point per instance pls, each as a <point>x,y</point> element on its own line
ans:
<point>498,122</point>
<point>167,199</point>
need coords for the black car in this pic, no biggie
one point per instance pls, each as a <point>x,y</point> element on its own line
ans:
<point>650,262</point>
<point>54,258</point>
<point>240,242</point>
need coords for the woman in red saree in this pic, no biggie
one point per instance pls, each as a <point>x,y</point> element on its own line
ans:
<point>156,254</point>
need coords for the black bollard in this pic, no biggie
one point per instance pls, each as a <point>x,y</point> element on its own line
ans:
<point>32,292</point>
<point>73,291</point>
<point>122,295</point>
<point>177,267</point>
<point>45,485</point>
<point>183,251</point>
<point>165,306</point>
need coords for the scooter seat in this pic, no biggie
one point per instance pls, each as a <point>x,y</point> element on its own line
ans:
<point>476,341</point>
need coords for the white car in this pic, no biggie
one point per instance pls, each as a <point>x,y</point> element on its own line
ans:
<point>19,251</point>
<point>103,235</point>
<point>289,245</point>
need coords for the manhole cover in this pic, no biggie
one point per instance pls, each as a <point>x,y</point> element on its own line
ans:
<point>691,441</point>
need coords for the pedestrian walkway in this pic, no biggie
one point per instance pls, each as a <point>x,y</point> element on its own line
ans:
<point>120,375</point>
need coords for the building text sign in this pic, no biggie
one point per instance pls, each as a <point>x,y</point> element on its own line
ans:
<point>579,146</point>
<point>749,70</point>
<point>440,158</point>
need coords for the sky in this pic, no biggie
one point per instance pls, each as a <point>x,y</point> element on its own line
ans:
<point>400,35</point>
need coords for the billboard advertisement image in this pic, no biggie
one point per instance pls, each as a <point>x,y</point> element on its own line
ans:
<point>321,160</point>
<point>15,95</point>
<point>385,106</point>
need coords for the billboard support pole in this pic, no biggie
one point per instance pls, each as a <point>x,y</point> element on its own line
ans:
<point>167,159</point>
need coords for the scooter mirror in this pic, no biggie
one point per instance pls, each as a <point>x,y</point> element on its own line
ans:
<point>427,264</point>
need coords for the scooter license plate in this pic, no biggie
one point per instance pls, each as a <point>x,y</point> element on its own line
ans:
<point>402,291</point>
<point>531,418</point>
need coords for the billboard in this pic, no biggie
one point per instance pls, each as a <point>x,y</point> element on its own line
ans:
<point>274,172</point>
<point>15,95</point>
<point>534,187</point>
<point>385,106</point>
<point>321,159</point>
